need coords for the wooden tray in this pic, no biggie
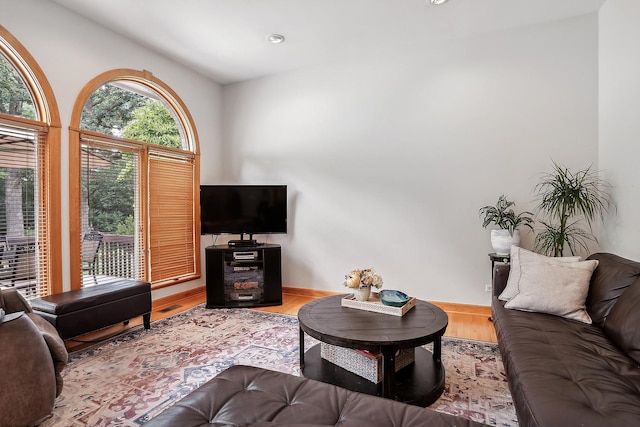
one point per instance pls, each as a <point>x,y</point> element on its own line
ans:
<point>374,304</point>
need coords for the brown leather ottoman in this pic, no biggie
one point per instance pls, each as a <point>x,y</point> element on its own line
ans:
<point>88,309</point>
<point>249,396</point>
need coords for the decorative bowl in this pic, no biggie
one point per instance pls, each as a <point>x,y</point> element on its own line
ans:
<point>393,298</point>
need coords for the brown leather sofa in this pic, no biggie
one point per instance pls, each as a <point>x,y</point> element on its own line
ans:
<point>249,396</point>
<point>32,357</point>
<point>566,373</point>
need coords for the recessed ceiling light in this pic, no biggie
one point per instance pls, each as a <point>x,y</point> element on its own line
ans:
<point>437,2</point>
<point>275,38</point>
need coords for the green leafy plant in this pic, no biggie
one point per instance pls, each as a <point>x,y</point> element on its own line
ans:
<point>504,217</point>
<point>569,200</point>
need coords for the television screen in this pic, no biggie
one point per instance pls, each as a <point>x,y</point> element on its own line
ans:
<point>243,209</point>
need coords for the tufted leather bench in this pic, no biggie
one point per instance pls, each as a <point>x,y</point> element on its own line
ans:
<point>78,312</point>
<point>249,396</point>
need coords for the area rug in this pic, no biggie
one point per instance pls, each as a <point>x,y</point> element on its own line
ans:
<point>127,380</point>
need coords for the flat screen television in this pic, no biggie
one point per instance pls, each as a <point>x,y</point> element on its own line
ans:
<point>243,209</point>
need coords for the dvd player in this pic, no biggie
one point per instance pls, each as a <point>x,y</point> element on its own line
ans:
<point>245,256</point>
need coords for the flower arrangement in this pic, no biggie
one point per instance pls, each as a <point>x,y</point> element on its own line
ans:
<point>363,279</point>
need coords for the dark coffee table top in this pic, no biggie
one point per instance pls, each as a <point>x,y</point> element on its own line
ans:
<point>328,321</point>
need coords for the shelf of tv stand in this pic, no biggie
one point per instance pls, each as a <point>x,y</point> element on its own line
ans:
<point>244,304</point>
<point>268,269</point>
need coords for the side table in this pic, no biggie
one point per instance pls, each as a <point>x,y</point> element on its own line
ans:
<point>494,257</point>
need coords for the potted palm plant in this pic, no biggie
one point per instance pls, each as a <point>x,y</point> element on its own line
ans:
<point>507,222</point>
<point>504,217</point>
<point>568,200</point>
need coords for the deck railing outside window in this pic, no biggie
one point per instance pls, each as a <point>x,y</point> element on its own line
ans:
<point>115,258</point>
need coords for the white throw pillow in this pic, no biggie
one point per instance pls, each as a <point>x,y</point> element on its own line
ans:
<point>519,256</point>
<point>559,289</point>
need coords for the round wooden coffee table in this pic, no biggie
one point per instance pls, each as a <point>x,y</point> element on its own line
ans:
<point>420,383</point>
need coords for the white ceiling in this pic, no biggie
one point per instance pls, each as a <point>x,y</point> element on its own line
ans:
<point>226,39</point>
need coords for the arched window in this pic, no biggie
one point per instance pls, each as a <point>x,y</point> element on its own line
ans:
<point>134,172</point>
<point>30,241</point>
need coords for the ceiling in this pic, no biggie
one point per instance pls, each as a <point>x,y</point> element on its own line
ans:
<point>226,39</point>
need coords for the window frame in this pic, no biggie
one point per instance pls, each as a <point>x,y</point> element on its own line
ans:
<point>50,185</point>
<point>172,100</point>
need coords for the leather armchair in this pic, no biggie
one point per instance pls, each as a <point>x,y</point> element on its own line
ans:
<point>32,357</point>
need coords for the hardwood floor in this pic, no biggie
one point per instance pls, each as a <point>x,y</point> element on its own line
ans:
<point>465,321</point>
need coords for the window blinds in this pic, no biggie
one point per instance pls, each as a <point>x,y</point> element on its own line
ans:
<point>171,216</point>
<point>111,220</point>
<point>23,209</point>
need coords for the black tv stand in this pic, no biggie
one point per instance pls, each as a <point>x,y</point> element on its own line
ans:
<point>243,276</point>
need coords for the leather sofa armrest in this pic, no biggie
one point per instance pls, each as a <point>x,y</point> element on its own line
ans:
<point>56,346</point>
<point>13,301</point>
<point>27,381</point>
<point>500,276</point>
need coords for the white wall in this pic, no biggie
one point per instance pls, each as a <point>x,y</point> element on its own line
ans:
<point>72,50</point>
<point>389,157</point>
<point>619,119</point>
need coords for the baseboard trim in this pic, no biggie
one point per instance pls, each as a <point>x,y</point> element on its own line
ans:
<point>308,292</point>
<point>177,297</point>
<point>449,307</point>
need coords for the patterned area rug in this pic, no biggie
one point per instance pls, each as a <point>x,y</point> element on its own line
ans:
<point>129,379</point>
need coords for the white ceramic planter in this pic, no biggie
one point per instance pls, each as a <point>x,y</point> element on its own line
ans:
<point>362,294</point>
<point>502,241</point>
